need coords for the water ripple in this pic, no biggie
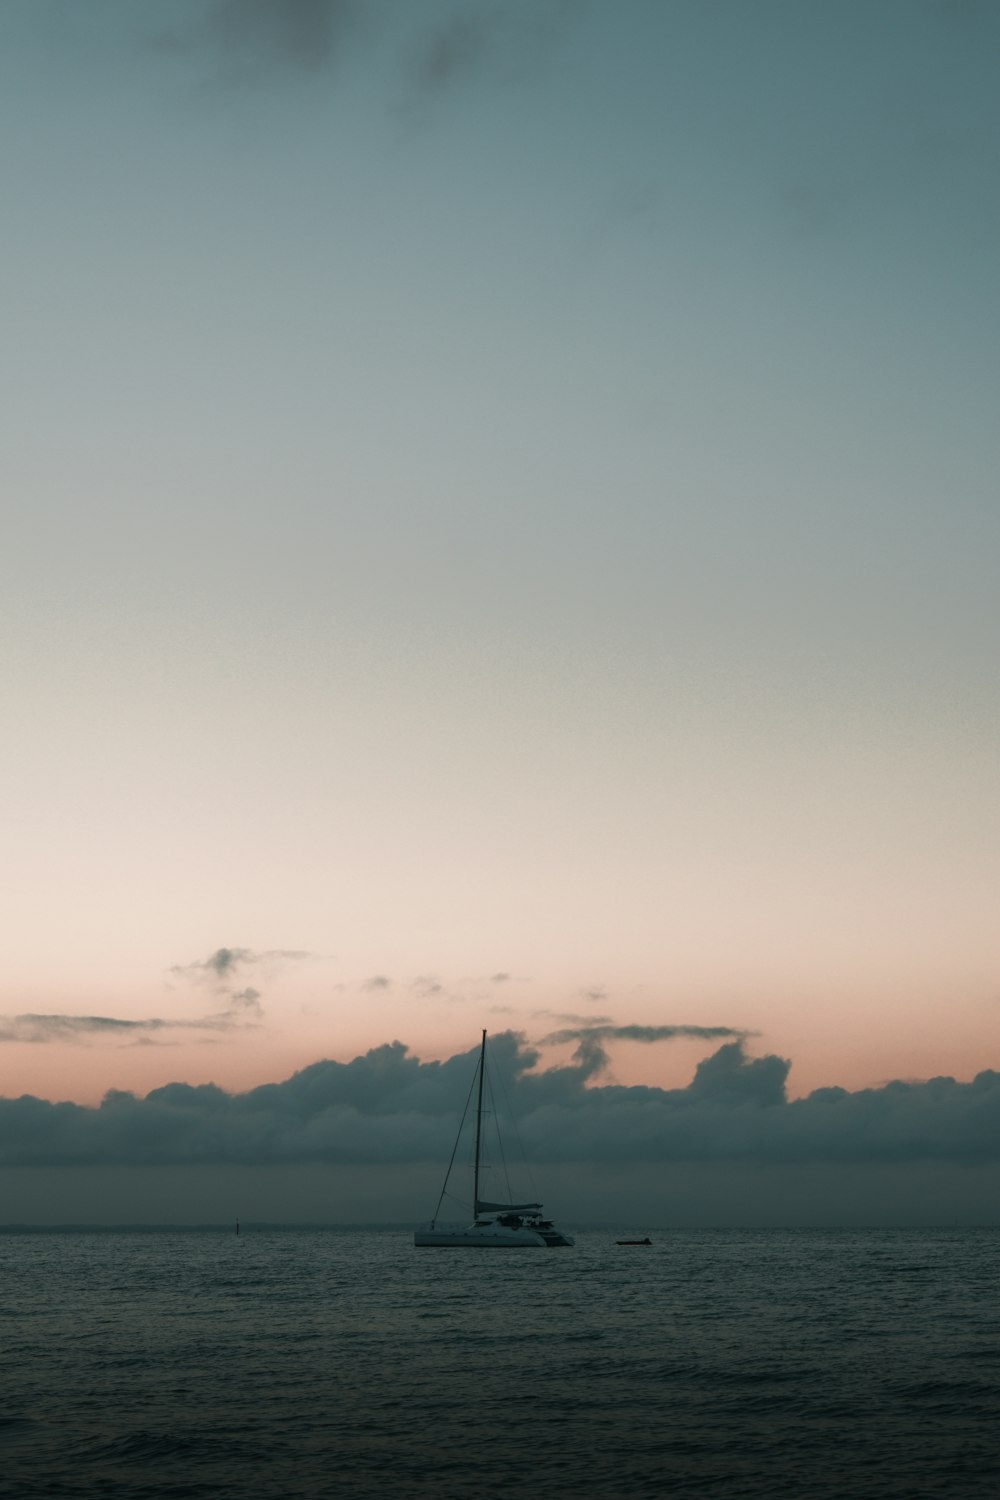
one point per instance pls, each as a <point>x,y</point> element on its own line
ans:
<point>743,1366</point>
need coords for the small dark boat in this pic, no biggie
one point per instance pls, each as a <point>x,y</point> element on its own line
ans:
<point>646,1241</point>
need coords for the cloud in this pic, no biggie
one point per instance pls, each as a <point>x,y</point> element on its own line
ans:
<point>388,1107</point>
<point>58,1028</point>
<point>378,982</point>
<point>222,969</point>
<point>227,963</point>
<point>426,985</point>
<point>508,36</point>
<point>251,38</point>
<point>590,1035</point>
<point>570,1018</point>
<point>246,1002</point>
<point>243,1007</point>
<point>300,33</point>
<point>432,51</point>
<point>456,47</point>
<point>599,1030</point>
<point>222,964</point>
<point>55,1028</point>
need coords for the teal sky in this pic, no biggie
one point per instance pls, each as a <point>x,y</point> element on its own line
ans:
<point>501,489</point>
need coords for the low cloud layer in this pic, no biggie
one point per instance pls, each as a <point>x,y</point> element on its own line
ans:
<point>597,1032</point>
<point>57,1028</point>
<point>388,1107</point>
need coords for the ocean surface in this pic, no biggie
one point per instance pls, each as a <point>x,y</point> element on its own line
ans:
<point>346,1363</point>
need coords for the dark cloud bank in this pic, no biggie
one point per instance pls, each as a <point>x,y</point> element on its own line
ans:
<point>388,1108</point>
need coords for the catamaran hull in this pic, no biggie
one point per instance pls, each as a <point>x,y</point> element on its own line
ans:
<point>490,1237</point>
<point>497,1238</point>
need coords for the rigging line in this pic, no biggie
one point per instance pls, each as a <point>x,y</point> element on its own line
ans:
<point>454,1148</point>
<point>520,1142</point>
<point>503,1157</point>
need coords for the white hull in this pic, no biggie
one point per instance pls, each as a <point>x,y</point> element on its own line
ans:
<point>477,1237</point>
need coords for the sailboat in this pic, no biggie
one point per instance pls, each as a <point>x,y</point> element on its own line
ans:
<point>495,1226</point>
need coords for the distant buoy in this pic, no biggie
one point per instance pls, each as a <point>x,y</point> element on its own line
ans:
<point>237,1228</point>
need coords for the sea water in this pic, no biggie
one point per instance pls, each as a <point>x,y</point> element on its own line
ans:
<point>286,1363</point>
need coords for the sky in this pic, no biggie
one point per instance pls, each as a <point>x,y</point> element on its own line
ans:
<point>500,529</point>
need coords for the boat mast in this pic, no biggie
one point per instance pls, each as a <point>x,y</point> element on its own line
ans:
<point>479,1127</point>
